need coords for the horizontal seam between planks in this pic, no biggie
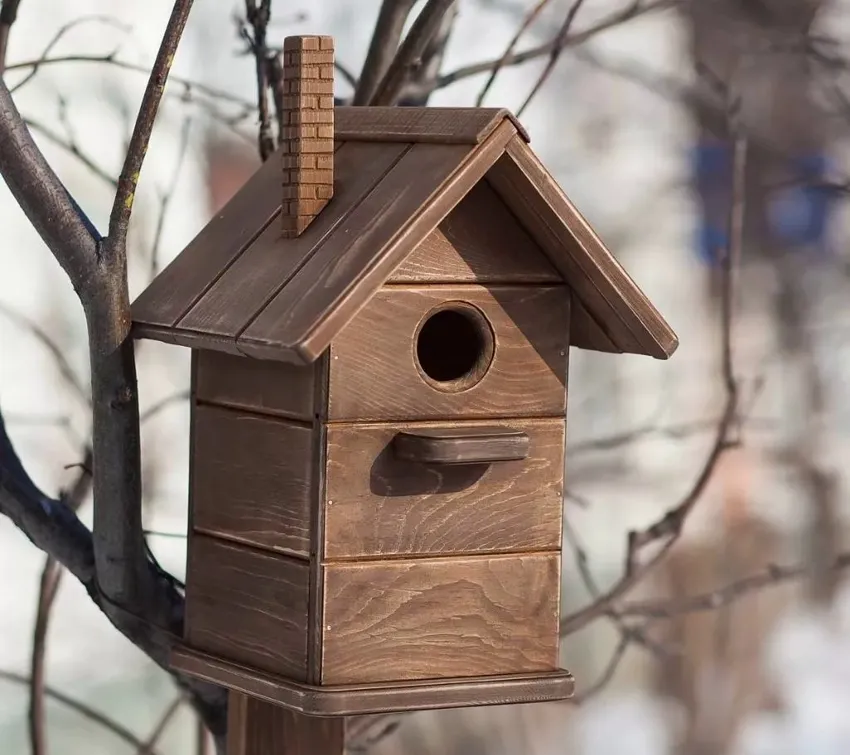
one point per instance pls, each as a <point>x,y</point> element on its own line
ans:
<point>380,558</point>
<point>488,420</point>
<point>257,550</point>
<point>253,413</point>
<point>426,559</point>
<point>273,413</point>
<point>214,535</point>
<point>316,249</point>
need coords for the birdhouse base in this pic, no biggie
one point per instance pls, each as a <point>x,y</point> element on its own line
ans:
<point>385,697</point>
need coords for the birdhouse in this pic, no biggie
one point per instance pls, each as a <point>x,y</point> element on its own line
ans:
<point>380,322</point>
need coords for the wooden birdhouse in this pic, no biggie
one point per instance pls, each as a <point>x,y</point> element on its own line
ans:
<point>380,321</point>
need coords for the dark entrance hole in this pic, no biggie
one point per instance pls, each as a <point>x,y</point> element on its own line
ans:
<point>454,347</point>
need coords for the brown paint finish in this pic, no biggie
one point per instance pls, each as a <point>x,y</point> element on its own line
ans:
<point>600,281</point>
<point>379,506</point>
<point>271,261</point>
<point>256,727</point>
<point>256,385</point>
<point>460,445</point>
<point>374,374</point>
<point>411,200</point>
<point>247,606</point>
<point>411,124</point>
<point>479,242</point>
<point>252,479</point>
<point>191,273</point>
<point>433,619</point>
<point>388,697</point>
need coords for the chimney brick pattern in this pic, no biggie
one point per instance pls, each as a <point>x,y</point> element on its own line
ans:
<point>308,130</point>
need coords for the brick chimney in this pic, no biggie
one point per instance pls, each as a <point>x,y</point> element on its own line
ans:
<point>308,139</point>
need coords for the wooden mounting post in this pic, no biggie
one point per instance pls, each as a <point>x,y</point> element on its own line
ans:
<point>255,727</point>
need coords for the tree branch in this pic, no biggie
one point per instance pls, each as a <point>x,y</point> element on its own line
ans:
<point>427,24</point>
<point>383,47</point>
<point>43,198</point>
<point>123,205</point>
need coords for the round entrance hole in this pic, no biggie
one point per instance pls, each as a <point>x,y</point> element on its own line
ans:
<point>454,347</point>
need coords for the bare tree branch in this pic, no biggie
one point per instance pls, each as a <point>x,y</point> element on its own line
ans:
<point>422,80</point>
<point>257,16</point>
<point>99,718</point>
<point>383,48</point>
<point>557,49</point>
<point>427,24</point>
<point>43,198</point>
<point>123,204</point>
<point>147,747</point>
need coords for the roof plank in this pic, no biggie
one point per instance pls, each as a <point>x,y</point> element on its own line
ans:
<point>606,290</point>
<point>443,125</point>
<point>215,247</point>
<point>270,262</point>
<point>338,280</point>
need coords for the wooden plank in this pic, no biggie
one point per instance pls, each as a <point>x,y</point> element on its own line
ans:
<point>176,289</point>
<point>375,374</point>
<point>442,125</point>
<point>382,506</point>
<point>339,279</point>
<point>317,519</point>
<point>253,477</point>
<point>479,242</point>
<point>366,699</point>
<point>247,606</point>
<point>586,332</point>
<point>433,619</point>
<point>256,385</point>
<point>256,727</point>
<point>609,294</point>
<point>461,444</point>
<point>266,266</point>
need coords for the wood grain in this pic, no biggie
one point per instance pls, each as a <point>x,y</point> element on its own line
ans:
<point>411,200</point>
<point>431,619</point>
<point>606,290</point>
<point>252,479</point>
<point>479,242</point>
<point>373,367</point>
<point>587,331</point>
<point>364,699</point>
<point>383,506</point>
<point>442,125</point>
<point>258,385</point>
<point>271,261</point>
<point>460,445</point>
<point>215,247</point>
<point>256,727</point>
<point>247,606</point>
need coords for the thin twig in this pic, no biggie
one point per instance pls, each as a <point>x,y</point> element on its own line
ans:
<point>607,673</point>
<point>425,26</point>
<point>166,197</point>
<point>122,207</point>
<point>148,745</point>
<point>382,48</point>
<point>529,19</point>
<point>258,16</point>
<point>63,30</point>
<point>72,149</point>
<point>629,13</point>
<point>557,49</point>
<point>67,372</point>
<point>81,708</point>
<point>668,529</point>
<point>168,401</point>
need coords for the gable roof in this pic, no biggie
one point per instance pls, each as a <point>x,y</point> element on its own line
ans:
<point>241,288</point>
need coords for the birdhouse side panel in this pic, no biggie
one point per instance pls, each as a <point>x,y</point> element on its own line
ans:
<point>260,386</point>
<point>467,351</point>
<point>377,504</point>
<point>443,618</point>
<point>248,607</point>
<point>479,242</point>
<point>252,479</point>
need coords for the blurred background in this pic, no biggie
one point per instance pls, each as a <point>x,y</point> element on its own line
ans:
<point>707,142</point>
